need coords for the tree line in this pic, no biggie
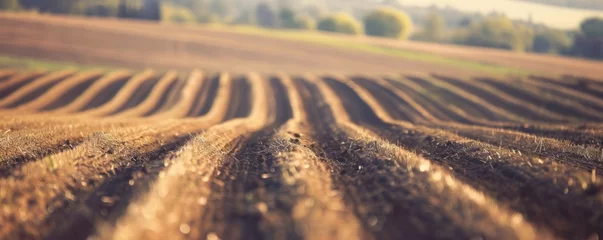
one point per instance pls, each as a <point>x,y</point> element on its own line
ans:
<point>492,31</point>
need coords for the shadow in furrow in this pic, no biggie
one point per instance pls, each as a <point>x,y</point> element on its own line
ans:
<point>535,99</point>
<point>360,111</point>
<point>584,85</point>
<point>6,77</point>
<point>138,96</point>
<point>252,178</point>
<point>406,113</point>
<point>37,92</point>
<point>495,99</point>
<point>78,220</point>
<point>240,104</point>
<point>437,110</point>
<point>205,96</point>
<point>5,92</point>
<point>163,102</point>
<point>70,95</point>
<point>106,94</point>
<point>450,98</point>
<point>173,97</point>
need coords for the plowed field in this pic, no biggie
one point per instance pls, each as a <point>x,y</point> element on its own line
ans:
<point>245,154</point>
<point>139,155</point>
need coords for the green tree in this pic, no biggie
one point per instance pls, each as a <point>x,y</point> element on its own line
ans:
<point>287,18</point>
<point>11,5</point>
<point>589,41</point>
<point>59,6</point>
<point>551,41</point>
<point>526,37</point>
<point>340,23</point>
<point>433,29</point>
<point>246,17</point>
<point>151,10</point>
<point>265,16</point>
<point>493,32</point>
<point>388,22</point>
<point>305,23</point>
<point>592,27</point>
<point>177,14</point>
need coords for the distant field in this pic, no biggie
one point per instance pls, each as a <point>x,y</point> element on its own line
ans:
<point>133,130</point>
<point>119,43</point>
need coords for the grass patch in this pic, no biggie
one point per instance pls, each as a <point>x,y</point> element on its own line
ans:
<point>325,39</point>
<point>24,63</point>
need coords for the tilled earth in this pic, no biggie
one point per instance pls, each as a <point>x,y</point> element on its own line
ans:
<point>162,155</point>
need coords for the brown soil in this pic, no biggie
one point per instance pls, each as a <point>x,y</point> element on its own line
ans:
<point>230,155</point>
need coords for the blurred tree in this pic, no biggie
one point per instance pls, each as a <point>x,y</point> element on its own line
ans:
<point>200,8</point>
<point>494,32</point>
<point>465,22</point>
<point>305,23</point>
<point>265,16</point>
<point>589,42</point>
<point>58,6</point>
<point>433,29</point>
<point>11,5</point>
<point>526,37</point>
<point>151,10</point>
<point>177,14</point>
<point>340,23</point>
<point>592,27</point>
<point>388,22</point>
<point>246,17</point>
<point>287,18</point>
<point>100,11</point>
<point>551,41</point>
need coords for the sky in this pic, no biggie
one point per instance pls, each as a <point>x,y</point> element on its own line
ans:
<point>559,17</point>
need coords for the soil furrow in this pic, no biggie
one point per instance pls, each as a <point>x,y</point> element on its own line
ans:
<point>544,99</point>
<point>110,199</point>
<point>206,95</point>
<point>17,81</point>
<point>69,95</point>
<point>122,96</point>
<point>460,101</point>
<point>34,89</point>
<point>6,74</point>
<point>138,96</point>
<point>508,104</point>
<point>552,195</point>
<point>167,100</point>
<point>154,97</point>
<point>417,93</point>
<point>99,93</point>
<point>586,157</point>
<point>579,84</point>
<point>55,90</point>
<point>397,193</point>
<point>195,172</point>
<point>404,111</point>
<point>569,93</point>
<point>581,137</point>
